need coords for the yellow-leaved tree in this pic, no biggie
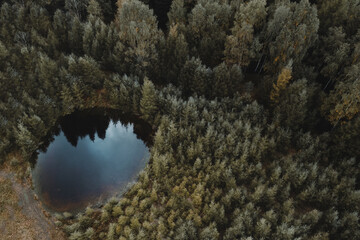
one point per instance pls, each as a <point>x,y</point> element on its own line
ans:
<point>281,83</point>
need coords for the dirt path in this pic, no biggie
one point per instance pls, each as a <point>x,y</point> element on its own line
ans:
<point>21,215</point>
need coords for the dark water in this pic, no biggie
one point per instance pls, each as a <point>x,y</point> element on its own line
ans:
<point>92,157</point>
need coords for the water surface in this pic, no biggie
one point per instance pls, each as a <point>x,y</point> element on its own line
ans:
<point>92,157</point>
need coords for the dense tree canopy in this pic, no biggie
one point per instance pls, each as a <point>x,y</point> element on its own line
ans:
<point>254,107</point>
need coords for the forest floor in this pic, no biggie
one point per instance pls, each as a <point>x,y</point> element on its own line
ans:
<point>22,216</point>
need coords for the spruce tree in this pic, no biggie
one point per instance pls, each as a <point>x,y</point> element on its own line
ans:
<point>241,46</point>
<point>227,80</point>
<point>75,36</point>
<point>345,98</point>
<point>139,37</point>
<point>173,55</point>
<point>148,102</point>
<point>336,52</point>
<point>291,31</point>
<point>209,22</point>
<point>94,9</point>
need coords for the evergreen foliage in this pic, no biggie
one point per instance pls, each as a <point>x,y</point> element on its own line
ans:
<point>233,156</point>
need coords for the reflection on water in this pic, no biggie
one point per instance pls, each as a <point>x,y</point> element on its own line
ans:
<point>92,156</point>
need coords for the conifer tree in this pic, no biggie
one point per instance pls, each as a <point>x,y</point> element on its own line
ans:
<point>345,98</point>
<point>87,69</point>
<point>290,33</point>
<point>293,107</point>
<point>148,102</point>
<point>136,51</point>
<point>77,7</point>
<point>173,55</point>
<point>177,14</point>
<point>59,39</point>
<point>223,166</point>
<point>25,140</point>
<point>334,13</point>
<point>193,77</point>
<point>209,22</point>
<point>48,74</point>
<point>7,27</point>
<point>227,80</point>
<point>94,9</point>
<point>75,36</point>
<point>241,46</point>
<point>88,38</point>
<point>336,53</point>
<point>209,233</point>
<point>4,53</point>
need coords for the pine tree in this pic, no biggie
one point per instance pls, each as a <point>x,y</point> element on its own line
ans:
<point>227,80</point>
<point>139,38</point>
<point>185,231</point>
<point>148,102</point>
<point>48,74</point>
<point>334,13</point>
<point>88,38</point>
<point>293,107</point>
<point>94,9</point>
<point>177,14</point>
<point>7,28</point>
<point>290,33</point>
<point>345,98</point>
<point>77,7</point>
<point>173,55</point>
<point>336,53</point>
<point>241,46</point>
<point>194,77</point>
<point>88,70</point>
<point>209,233</point>
<point>4,53</point>
<point>25,140</point>
<point>209,22</point>
<point>39,19</point>
<point>75,36</point>
<point>202,81</point>
<point>59,41</point>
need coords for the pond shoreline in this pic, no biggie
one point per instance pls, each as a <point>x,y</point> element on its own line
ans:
<point>91,157</point>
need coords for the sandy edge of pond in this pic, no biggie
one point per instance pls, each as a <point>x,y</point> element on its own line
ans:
<point>23,217</point>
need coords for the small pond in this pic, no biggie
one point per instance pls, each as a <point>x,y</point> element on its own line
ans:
<point>92,155</point>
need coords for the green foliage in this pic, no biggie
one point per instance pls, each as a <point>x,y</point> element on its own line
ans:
<point>206,32</point>
<point>87,70</point>
<point>148,102</point>
<point>336,52</point>
<point>344,100</point>
<point>225,161</point>
<point>173,55</point>
<point>94,9</point>
<point>333,13</point>
<point>227,80</point>
<point>240,46</point>
<point>294,105</point>
<point>136,50</point>
<point>291,31</point>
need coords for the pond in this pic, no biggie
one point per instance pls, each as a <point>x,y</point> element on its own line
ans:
<point>93,155</point>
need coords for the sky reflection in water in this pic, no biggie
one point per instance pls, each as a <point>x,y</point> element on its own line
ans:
<point>68,177</point>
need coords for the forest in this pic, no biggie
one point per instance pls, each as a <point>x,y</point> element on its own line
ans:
<point>253,105</point>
